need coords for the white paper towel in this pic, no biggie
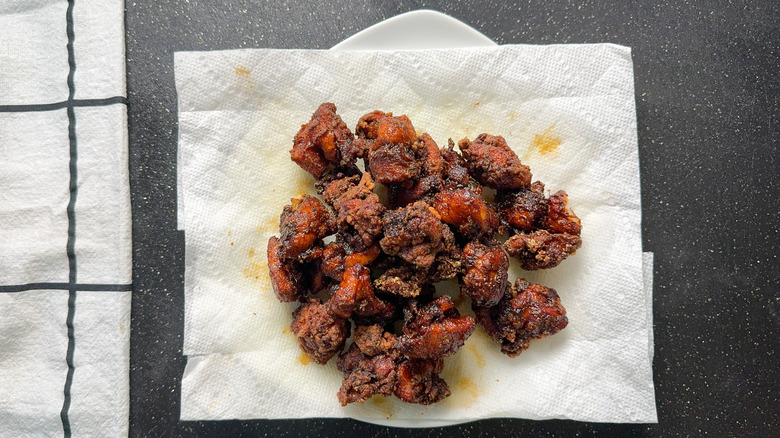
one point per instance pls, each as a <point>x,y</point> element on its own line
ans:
<point>568,111</point>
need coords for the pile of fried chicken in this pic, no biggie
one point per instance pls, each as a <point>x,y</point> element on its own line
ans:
<point>383,258</point>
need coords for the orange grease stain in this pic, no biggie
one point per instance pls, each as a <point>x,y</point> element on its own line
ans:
<point>285,330</point>
<point>251,253</point>
<point>475,104</point>
<point>258,272</point>
<point>467,385</point>
<point>546,142</point>
<point>272,226</point>
<point>242,71</point>
<point>480,359</point>
<point>381,404</point>
<point>304,359</point>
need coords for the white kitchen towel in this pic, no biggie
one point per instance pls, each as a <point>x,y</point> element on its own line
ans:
<point>569,113</point>
<point>65,226</point>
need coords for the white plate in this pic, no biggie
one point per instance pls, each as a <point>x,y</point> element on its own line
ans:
<point>422,29</point>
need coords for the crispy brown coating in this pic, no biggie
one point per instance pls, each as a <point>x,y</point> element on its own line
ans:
<point>434,331</point>
<point>286,278</point>
<point>365,376</point>
<point>404,279</point>
<point>430,179</point>
<point>334,184</point>
<point>392,157</point>
<point>338,256</point>
<point>418,381</point>
<point>368,125</point>
<point>317,145</point>
<point>465,210</point>
<point>454,167</point>
<point>392,163</point>
<point>398,130</point>
<point>320,333</point>
<point>355,296</point>
<point>559,217</point>
<point>310,266</point>
<point>304,222</point>
<point>410,245</point>
<point>373,340</point>
<point>486,272</point>
<point>522,208</point>
<point>529,311</point>
<point>359,213</point>
<point>447,264</point>
<point>369,366</point>
<point>415,234</point>
<point>493,163</point>
<point>541,249</point>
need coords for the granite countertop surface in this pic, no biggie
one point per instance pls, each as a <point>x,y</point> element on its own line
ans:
<point>708,108</point>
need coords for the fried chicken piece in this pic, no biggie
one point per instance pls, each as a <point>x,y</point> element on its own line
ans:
<point>522,209</point>
<point>542,249</point>
<point>365,134</point>
<point>286,278</point>
<point>559,217</point>
<point>359,212</point>
<point>303,222</point>
<point>338,256</point>
<point>334,184</point>
<point>321,334</point>
<point>447,264</point>
<point>405,280</point>
<point>369,366</point>
<point>493,163</point>
<point>466,211</point>
<point>416,234</point>
<point>486,267</point>
<point>310,266</point>
<point>365,376</point>
<point>318,144</point>
<point>430,178</point>
<point>418,381</point>
<point>529,311</point>
<point>368,126</point>
<point>355,296</point>
<point>454,166</point>
<point>391,157</point>
<point>434,331</point>
<point>373,340</point>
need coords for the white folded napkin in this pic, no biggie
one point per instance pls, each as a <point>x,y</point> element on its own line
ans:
<point>569,113</point>
<point>65,228</point>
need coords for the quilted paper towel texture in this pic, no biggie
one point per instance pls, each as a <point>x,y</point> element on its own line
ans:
<point>238,112</point>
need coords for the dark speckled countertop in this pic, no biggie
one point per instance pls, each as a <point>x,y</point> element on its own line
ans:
<point>708,107</point>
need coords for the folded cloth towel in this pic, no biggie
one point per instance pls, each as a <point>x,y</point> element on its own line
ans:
<point>65,241</point>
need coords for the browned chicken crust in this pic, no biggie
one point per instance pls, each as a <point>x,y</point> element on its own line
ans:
<point>317,146</point>
<point>374,261</point>
<point>320,333</point>
<point>493,163</point>
<point>529,311</point>
<point>541,249</point>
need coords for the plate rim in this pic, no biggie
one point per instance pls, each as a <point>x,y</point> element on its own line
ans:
<point>365,39</point>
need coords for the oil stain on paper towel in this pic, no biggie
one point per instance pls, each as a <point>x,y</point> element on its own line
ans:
<point>246,84</point>
<point>546,142</point>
